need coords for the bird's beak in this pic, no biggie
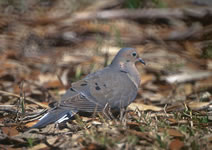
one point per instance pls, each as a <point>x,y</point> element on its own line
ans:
<point>141,61</point>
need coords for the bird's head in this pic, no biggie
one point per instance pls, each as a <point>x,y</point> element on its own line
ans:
<point>125,56</point>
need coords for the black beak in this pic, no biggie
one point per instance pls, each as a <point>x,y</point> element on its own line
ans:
<point>140,60</point>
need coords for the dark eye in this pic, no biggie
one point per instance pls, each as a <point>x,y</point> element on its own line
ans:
<point>134,54</point>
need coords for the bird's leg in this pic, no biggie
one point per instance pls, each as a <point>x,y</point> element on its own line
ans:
<point>95,110</point>
<point>110,113</point>
<point>122,114</point>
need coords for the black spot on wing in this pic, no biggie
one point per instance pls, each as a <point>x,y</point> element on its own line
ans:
<point>123,71</point>
<point>98,88</point>
<point>83,84</point>
<point>72,89</point>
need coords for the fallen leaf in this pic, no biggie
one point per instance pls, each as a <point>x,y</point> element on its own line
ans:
<point>172,120</point>
<point>92,146</point>
<point>142,135</point>
<point>52,84</point>
<point>133,125</point>
<point>143,107</point>
<point>10,131</point>
<point>172,132</point>
<point>176,144</point>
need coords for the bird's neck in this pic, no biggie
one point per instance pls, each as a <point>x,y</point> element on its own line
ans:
<point>131,70</point>
<point>134,74</point>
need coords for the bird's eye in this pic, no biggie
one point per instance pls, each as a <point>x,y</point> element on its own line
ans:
<point>134,54</point>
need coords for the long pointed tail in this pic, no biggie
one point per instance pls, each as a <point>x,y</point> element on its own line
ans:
<point>56,115</point>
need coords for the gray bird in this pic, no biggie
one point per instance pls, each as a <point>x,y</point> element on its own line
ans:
<point>115,86</point>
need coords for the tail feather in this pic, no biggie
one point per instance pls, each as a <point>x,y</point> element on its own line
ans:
<point>53,116</point>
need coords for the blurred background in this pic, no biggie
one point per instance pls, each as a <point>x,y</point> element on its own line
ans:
<point>43,40</point>
<point>45,45</point>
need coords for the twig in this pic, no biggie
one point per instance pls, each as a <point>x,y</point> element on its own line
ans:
<point>161,115</point>
<point>27,99</point>
<point>8,108</point>
<point>61,82</point>
<point>188,76</point>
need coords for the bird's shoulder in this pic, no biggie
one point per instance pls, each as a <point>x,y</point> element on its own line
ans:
<point>104,79</point>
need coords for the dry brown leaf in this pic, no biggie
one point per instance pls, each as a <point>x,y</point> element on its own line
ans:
<point>53,84</point>
<point>10,131</point>
<point>143,107</point>
<point>172,120</point>
<point>92,146</point>
<point>176,144</point>
<point>172,132</point>
<point>133,125</point>
<point>176,133</point>
<point>142,135</point>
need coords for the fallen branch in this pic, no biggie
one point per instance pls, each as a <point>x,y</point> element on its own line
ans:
<point>142,14</point>
<point>153,13</point>
<point>187,77</point>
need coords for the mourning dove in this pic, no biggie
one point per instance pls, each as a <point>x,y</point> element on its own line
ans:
<point>116,86</point>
